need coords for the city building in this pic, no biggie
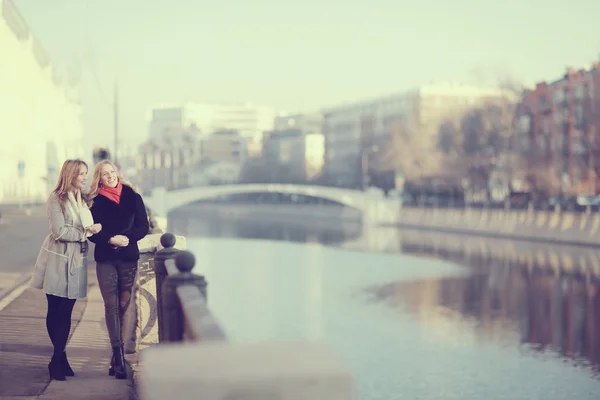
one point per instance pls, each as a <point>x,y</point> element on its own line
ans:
<point>41,124</point>
<point>188,159</point>
<point>558,127</point>
<point>314,156</point>
<point>166,162</point>
<point>356,134</point>
<point>226,145</point>
<point>293,156</point>
<point>309,122</point>
<point>248,119</point>
<point>169,121</point>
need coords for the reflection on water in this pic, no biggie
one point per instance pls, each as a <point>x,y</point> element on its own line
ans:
<point>519,322</point>
<point>550,313</point>
<point>550,294</point>
<point>495,253</point>
<point>239,221</point>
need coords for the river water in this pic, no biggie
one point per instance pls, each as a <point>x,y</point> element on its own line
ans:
<point>428,316</point>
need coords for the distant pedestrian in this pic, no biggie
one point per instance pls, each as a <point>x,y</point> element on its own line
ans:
<point>61,267</point>
<point>122,213</point>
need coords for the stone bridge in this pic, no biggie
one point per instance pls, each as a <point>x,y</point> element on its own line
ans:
<point>375,208</point>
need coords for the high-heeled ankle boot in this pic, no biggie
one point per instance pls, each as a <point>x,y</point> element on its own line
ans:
<point>119,364</point>
<point>68,371</point>
<point>55,369</point>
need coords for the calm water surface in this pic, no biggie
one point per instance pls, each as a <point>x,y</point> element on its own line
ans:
<point>443,317</point>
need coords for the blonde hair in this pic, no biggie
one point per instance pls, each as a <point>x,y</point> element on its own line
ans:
<point>66,179</point>
<point>95,185</point>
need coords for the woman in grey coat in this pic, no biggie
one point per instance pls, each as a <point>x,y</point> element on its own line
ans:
<point>61,267</point>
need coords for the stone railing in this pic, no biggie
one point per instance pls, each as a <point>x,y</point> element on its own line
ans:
<point>182,312</point>
<point>528,224</point>
<point>184,352</point>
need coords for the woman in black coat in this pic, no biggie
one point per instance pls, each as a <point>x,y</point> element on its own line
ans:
<point>121,212</point>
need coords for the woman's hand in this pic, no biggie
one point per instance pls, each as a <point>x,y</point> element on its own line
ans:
<point>95,228</point>
<point>119,241</point>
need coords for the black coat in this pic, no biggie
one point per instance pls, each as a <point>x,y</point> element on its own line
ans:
<point>127,218</point>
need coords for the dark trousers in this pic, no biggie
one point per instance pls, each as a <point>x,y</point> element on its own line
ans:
<point>58,321</point>
<point>116,279</point>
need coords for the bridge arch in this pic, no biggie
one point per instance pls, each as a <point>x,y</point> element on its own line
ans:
<point>179,198</point>
<point>371,206</point>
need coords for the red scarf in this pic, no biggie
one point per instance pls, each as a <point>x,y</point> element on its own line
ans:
<point>110,193</point>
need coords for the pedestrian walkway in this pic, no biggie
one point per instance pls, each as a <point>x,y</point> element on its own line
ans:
<point>7,279</point>
<point>25,351</point>
<point>20,239</point>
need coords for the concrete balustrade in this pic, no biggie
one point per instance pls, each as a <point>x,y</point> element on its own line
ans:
<point>225,371</point>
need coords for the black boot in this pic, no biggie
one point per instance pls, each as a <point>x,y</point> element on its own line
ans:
<point>119,364</point>
<point>65,365</point>
<point>55,369</point>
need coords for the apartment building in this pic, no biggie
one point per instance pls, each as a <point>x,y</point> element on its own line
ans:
<point>558,129</point>
<point>348,128</point>
<point>356,134</point>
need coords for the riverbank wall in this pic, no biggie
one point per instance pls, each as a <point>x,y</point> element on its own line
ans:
<point>535,225</point>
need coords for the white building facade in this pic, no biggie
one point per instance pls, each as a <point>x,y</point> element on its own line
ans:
<point>41,122</point>
<point>314,155</point>
<point>308,123</point>
<point>248,119</point>
<point>347,127</point>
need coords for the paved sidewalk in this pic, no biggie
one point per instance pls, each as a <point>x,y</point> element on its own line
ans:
<point>25,351</point>
<point>89,355</point>
<point>25,348</point>
<point>20,239</point>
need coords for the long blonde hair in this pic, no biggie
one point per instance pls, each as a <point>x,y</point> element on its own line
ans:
<point>95,185</point>
<point>66,179</point>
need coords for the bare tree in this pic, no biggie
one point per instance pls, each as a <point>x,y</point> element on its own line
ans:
<point>410,151</point>
<point>476,142</point>
<point>587,119</point>
<point>541,181</point>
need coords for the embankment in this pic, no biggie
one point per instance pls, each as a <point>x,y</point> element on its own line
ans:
<point>546,226</point>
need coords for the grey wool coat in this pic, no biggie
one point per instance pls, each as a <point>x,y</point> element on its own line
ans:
<point>61,266</point>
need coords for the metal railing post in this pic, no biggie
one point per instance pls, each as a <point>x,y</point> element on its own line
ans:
<point>167,240</point>
<point>174,320</point>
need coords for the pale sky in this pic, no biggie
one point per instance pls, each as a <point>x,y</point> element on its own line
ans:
<point>305,54</point>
